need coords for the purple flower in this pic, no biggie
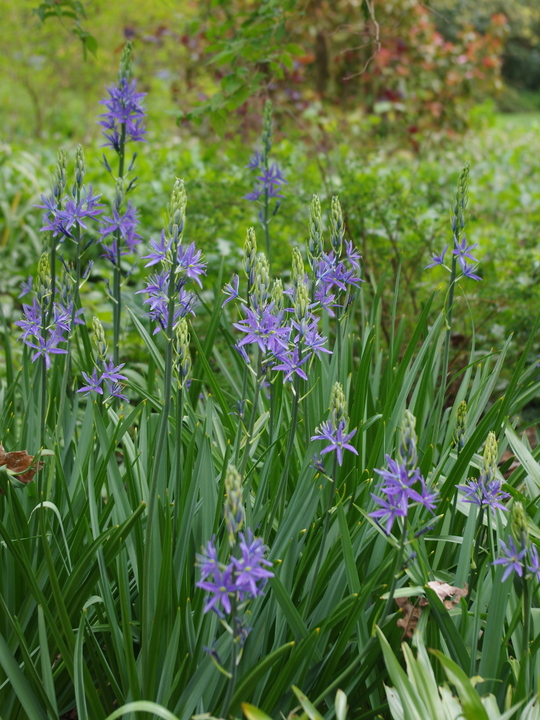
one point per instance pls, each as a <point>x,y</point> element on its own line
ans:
<point>468,270</point>
<point>124,110</point>
<point>124,225</point>
<point>462,250</point>
<point>159,250</point>
<point>534,567</point>
<point>291,363</point>
<point>485,492</point>
<point>231,290</point>
<point>269,181</point>
<point>403,488</point>
<point>336,438</point>
<point>26,287</point>
<point>437,259</point>
<point>264,329</point>
<point>250,573</point>
<point>190,260</point>
<point>93,383</point>
<point>511,558</point>
<point>220,588</point>
<point>48,347</point>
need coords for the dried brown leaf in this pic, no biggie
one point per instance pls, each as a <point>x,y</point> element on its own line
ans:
<point>21,463</point>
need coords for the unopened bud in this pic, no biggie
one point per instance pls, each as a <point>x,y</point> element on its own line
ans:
<point>182,356</point>
<point>491,456</point>
<point>262,280</point>
<point>44,280</point>
<point>519,525</point>
<point>234,503</point>
<point>409,440</point>
<point>460,202</point>
<point>250,256</point>
<point>99,339</point>
<point>120,194</point>
<point>124,72</point>
<point>59,175</point>
<point>80,168</point>
<point>337,226</point>
<point>315,243</point>
<point>461,425</point>
<point>298,271</point>
<point>268,127</point>
<point>338,405</point>
<point>276,295</point>
<point>176,213</point>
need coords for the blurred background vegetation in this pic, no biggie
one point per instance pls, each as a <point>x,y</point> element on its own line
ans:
<point>378,102</point>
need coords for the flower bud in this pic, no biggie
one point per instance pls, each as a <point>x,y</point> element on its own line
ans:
<point>120,194</point>
<point>124,72</point>
<point>460,202</point>
<point>250,255</point>
<point>298,271</point>
<point>337,226</point>
<point>99,339</point>
<point>80,168</point>
<point>262,280</point>
<point>409,439</point>
<point>182,356</point>
<point>338,406</point>
<point>234,503</point>
<point>277,296</point>
<point>59,175</point>
<point>301,302</point>
<point>461,425</point>
<point>315,243</point>
<point>268,124</point>
<point>519,525</point>
<point>44,280</point>
<point>176,213</point>
<point>491,456</point>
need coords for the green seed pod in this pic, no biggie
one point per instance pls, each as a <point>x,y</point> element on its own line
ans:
<point>120,194</point>
<point>301,302</point>
<point>409,440</point>
<point>176,213</point>
<point>98,337</point>
<point>234,503</point>
<point>337,226</point>
<point>460,428</point>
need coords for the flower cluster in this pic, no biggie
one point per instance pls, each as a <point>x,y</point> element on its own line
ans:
<point>105,375</point>
<point>403,485</point>
<point>231,585</point>
<point>47,322</point>
<point>180,264</point>
<point>333,431</point>
<point>121,226</point>
<point>461,252</point>
<point>123,121</point>
<point>242,578</point>
<point>270,180</point>
<point>287,337</point>
<point>486,492</point>
<point>67,217</point>
<point>337,271</point>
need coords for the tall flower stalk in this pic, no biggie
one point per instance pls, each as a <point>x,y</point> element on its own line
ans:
<point>123,122</point>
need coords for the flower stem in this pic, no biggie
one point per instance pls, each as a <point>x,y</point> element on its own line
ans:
<point>234,666</point>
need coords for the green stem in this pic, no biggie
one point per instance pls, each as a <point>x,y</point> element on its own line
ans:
<point>325,533</point>
<point>397,568</point>
<point>160,451</point>
<point>179,488</point>
<point>117,300</point>
<point>234,666</point>
<point>288,454</point>
<point>253,416</point>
